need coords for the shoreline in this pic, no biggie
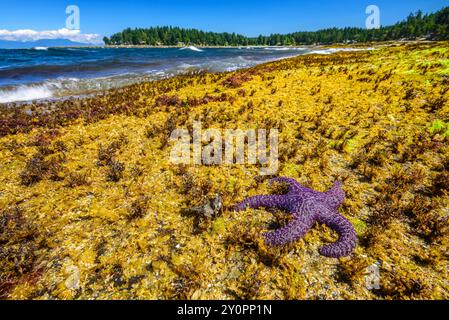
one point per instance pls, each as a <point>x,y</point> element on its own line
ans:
<point>90,94</point>
<point>42,85</point>
<point>359,44</point>
<point>313,46</point>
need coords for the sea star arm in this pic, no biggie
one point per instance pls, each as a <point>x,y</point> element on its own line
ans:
<point>267,201</point>
<point>290,233</point>
<point>347,242</point>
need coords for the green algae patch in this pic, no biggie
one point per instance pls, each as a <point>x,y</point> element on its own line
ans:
<point>359,225</point>
<point>219,226</point>
<point>438,126</point>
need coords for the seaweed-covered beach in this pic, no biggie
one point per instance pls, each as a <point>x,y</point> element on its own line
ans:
<point>92,208</point>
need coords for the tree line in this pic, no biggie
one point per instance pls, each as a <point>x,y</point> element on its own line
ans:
<point>433,26</point>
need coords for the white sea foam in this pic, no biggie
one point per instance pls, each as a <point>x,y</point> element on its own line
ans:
<point>335,50</point>
<point>40,48</point>
<point>186,66</point>
<point>285,48</point>
<point>25,93</point>
<point>279,49</point>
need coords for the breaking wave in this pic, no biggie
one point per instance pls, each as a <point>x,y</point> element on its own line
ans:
<point>192,48</point>
<point>67,72</point>
<point>25,93</point>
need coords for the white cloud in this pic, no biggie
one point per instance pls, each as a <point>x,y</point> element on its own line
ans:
<point>33,35</point>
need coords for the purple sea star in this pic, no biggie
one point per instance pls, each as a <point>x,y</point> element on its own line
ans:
<point>307,207</point>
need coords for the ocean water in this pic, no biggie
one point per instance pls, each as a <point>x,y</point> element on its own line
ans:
<point>49,73</point>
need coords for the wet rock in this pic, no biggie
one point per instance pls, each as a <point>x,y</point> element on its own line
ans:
<point>372,278</point>
<point>210,209</point>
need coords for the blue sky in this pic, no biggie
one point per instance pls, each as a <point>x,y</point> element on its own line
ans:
<point>248,17</point>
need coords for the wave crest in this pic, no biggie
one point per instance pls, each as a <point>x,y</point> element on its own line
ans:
<point>192,48</point>
<point>26,93</point>
<point>40,48</point>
